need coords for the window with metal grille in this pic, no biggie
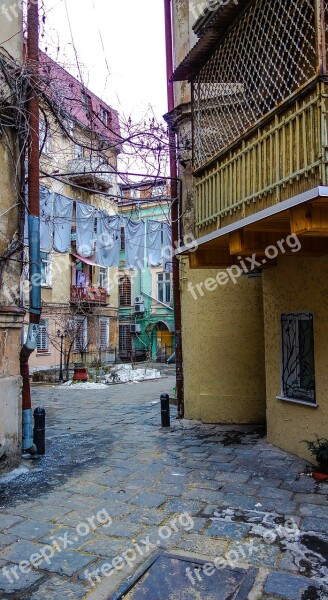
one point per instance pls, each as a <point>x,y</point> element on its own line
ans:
<point>298,374</point>
<point>125,338</point>
<point>104,333</point>
<point>125,291</point>
<point>164,288</point>
<point>122,239</point>
<point>103,281</point>
<point>268,54</point>
<point>81,334</point>
<point>43,337</point>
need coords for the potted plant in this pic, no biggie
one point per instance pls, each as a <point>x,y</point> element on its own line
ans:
<point>319,449</point>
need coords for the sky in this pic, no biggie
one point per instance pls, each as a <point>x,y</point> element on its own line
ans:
<point>127,68</point>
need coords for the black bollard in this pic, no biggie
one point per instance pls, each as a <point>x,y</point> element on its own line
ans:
<point>39,436</point>
<point>165,410</point>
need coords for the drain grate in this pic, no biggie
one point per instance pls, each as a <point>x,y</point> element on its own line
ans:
<point>170,577</point>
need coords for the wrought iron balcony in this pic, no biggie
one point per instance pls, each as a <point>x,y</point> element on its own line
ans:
<point>93,173</point>
<point>91,295</point>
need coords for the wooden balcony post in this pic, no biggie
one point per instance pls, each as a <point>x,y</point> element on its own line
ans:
<point>320,27</point>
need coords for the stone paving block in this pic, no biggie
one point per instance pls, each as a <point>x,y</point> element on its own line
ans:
<point>203,545</point>
<point>120,494</point>
<point>233,477</point>
<point>59,589</point>
<point>312,524</point>
<point>17,581</point>
<point>147,516</point>
<point>280,506</point>
<point>311,499</point>
<point>6,539</point>
<point>207,496</point>
<point>88,489</point>
<point>305,484</point>
<point>123,529</point>
<point>106,546</point>
<point>7,521</point>
<point>68,562</point>
<point>45,512</point>
<point>314,510</point>
<point>234,531</point>
<point>293,587</point>
<point>179,505</point>
<point>150,500</point>
<point>256,553</point>
<point>31,530</point>
<point>239,501</point>
<point>21,550</point>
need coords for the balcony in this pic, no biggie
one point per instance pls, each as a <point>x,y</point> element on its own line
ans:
<point>89,295</point>
<point>91,173</point>
<point>280,159</point>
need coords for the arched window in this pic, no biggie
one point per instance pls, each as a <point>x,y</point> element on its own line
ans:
<point>125,291</point>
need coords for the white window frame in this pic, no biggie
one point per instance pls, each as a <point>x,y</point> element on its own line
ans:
<point>47,261</point>
<point>43,337</point>
<point>104,326</point>
<point>162,285</point>
<point>103,278</point>
<point>81,324</point>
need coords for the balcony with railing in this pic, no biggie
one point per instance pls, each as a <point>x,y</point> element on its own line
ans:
<point>93,173</point>
<point>260,111</point>
<point>88,295</point>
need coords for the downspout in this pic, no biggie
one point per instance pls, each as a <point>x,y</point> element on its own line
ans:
<point>33,222</point>
<point>175,212</point>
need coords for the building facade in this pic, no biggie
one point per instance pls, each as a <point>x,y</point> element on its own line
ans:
<point>254,293</point>
<point>11,316</point>
<point>79,145</point>
<point>146,314</point>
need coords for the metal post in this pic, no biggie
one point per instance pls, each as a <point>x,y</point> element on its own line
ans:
<point>39,436</point>
<point>61,376</point>
<point>165,410</point>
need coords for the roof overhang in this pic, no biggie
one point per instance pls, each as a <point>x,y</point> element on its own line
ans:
<point>304,216</point>
<point>213,26</point>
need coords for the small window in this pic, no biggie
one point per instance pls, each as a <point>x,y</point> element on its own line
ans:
<point>164,288</point>
<point>105,116</point>
<point>122,239</point>
<point>78,150</point>
<point>125,339</point>
<point>298,373</point>
<point>46,272</point>
<point>103,281</point>
<point>43,337</point>
<point>104,333</point>
<point>125,291</point>
<point>87,103</point>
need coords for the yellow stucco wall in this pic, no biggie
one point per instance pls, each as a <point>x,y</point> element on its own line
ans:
<point>223,350</point>
<point>296,285</point>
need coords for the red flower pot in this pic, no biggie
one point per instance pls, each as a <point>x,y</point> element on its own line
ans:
<point>319,476</point>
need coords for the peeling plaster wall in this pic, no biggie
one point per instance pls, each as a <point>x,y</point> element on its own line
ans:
<point>223,351</point>
<point>296,285</point>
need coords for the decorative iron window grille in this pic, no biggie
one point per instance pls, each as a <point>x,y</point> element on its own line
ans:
<point>298,375</point>
<point>265,57</point>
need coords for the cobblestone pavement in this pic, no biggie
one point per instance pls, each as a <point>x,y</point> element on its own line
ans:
<point>114,488</point>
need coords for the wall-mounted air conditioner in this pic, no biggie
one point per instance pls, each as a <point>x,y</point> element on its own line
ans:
<point>139,300</point>
<point>135,328</point>
<point>139,308</point>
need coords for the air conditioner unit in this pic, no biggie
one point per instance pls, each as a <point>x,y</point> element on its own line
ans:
<point>139,300</point>
<point>139,308</point>
<point>135,328</point>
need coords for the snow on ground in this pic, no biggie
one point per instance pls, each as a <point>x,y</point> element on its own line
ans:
<point>85,386</point>
<point>126,374</point>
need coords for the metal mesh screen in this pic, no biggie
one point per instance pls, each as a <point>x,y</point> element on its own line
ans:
<point>268,54</point>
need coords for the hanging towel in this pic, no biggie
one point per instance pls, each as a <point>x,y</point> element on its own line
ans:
<point>85,224</point>
<point>154,242</point>
<point>63,212</point>
<point>135,244</point>
<point>108,240</point>
<point>167,248</point>
<point>46,220</point>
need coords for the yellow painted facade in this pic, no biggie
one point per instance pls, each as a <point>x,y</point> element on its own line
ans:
<point>11,49</point>
<point>297,284</point>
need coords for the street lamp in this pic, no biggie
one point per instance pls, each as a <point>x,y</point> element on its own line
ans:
<point>62,336</point>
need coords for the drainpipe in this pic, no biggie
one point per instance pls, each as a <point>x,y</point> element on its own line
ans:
<point>33,223</point>
<point>175,211</point>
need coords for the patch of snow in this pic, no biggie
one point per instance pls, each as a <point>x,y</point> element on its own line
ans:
<point>13,475</point>
<point>85,386</point>
<point>126,374</point>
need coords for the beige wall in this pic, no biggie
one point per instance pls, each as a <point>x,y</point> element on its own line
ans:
<point>11,29</point>
<point>223,351</point>
<point>296,285</point>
